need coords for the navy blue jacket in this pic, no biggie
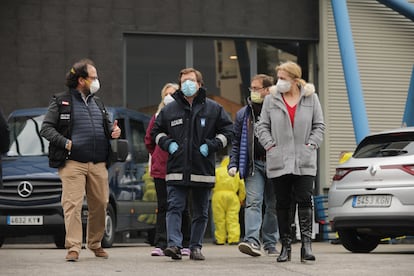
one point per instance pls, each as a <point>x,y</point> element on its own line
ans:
<point>242,152</point>
<point>204,122</point>
<point>93,129</point>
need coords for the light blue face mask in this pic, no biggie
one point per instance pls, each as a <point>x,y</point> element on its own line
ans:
<point>189,88</point>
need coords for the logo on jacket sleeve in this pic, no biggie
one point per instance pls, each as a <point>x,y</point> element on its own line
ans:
<point>177,122</point>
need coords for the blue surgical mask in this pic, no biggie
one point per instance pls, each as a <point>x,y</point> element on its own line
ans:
<point>189,88</point>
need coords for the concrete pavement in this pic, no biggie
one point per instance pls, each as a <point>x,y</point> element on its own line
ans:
<point>135,259</point>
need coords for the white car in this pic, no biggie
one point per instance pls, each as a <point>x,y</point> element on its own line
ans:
<point>372,194</point>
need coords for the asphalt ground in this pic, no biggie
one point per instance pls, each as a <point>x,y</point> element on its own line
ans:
<point>134,259</point>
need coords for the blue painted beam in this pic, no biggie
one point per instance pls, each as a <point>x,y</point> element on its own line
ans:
<point>401,6</point>
<point>408,119</point>
<point>350,68</point>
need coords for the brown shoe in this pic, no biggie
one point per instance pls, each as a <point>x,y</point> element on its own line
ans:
<point>99,252</point>
<point>72,256</point>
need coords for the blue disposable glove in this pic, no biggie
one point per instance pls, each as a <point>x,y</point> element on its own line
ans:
<point>204,150</point>
<point>172,147</point>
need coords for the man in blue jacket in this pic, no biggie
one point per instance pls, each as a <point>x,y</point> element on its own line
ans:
<point>192,129</point>
<point>249,158</point>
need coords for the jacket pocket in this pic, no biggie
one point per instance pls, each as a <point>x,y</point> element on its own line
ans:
<point>274,159</point>
<point>306,156</point>
<point>57,156</point>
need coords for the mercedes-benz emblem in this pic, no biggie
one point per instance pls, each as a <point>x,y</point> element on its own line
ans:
<point>25,189</point>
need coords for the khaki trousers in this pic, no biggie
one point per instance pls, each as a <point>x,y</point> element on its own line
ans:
<point>79,179</point>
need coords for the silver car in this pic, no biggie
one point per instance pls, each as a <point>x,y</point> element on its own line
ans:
<point>372,194</point>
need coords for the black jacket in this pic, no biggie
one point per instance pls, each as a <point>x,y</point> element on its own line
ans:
<point>57,126</point>
<point>4,140</point>
<point>205,122</point>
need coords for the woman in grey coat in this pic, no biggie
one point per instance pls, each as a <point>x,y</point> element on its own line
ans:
<point>291,130</point>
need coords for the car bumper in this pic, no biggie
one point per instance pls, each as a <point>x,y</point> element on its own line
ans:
<point>378,226</point>
<point>52,224</point>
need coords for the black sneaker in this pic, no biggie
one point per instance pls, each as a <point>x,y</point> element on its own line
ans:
<point>196,255</point>
<point>250,249</point>
<point>271,252</point>
<point>174,252</point>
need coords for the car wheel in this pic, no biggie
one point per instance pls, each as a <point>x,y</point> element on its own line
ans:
<point>109,234</point>
<point>59,241</point>
<point>151,236</point>
<point>357,242</point>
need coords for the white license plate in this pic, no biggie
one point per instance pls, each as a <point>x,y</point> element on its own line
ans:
<point>25,220</point>
<point>371,201</point>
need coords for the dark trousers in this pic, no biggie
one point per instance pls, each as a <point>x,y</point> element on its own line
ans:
<point>161,226</point>
<point>291,189</point>
<point>177,199</point>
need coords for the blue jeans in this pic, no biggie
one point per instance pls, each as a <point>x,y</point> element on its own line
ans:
<point>177,198</point>
<point>257,188</point>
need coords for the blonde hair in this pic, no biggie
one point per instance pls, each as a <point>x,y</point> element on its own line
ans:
<point>295,72</point>
<point>163,94</point>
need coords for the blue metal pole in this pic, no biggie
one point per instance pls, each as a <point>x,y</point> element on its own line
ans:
<point>401,6</point>
<point>350,67</point>
<point>408,119</point>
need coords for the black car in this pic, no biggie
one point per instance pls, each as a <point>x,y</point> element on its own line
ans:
<point>30,199</point>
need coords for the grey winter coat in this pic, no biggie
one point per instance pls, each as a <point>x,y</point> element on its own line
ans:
<point>291,150</point>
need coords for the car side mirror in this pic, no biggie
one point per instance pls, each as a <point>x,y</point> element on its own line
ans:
<point>119,150</point>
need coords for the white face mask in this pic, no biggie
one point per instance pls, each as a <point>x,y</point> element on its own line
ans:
<point>94,87</point>
<point>283,86</point>
<point>168,99</point>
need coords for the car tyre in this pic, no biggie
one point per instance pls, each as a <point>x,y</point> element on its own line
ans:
<point>109,234</point>
<point>59,241</point>
<point>151,237</point>
<point>358,242</point>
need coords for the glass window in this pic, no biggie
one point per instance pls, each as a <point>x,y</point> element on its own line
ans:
<point>227,65</point>
<point>150,63</point>
<point>25,137</point>
<point>138,144</point>
<point>386,145</point>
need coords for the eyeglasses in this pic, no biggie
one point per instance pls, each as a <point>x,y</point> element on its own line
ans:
<point>255,89</point>
<point>93,78</point>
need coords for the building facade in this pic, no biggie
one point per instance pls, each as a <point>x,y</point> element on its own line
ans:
<point>140,45</point>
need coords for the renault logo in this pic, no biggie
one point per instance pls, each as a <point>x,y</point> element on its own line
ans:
<point>373,169</point>
<point>25,189</point>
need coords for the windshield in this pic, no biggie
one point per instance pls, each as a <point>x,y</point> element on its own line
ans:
<point>386,145</point>
<point>25,136</point>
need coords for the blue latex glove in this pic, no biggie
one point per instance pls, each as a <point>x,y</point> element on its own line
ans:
<point>204,150</point>
<point>172,147</point>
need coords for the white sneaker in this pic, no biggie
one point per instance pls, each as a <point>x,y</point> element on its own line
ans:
<point>250,249</point>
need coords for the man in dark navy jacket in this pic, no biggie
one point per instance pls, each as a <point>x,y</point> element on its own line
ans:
<point>78,129</point>
<point>192,129</point>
